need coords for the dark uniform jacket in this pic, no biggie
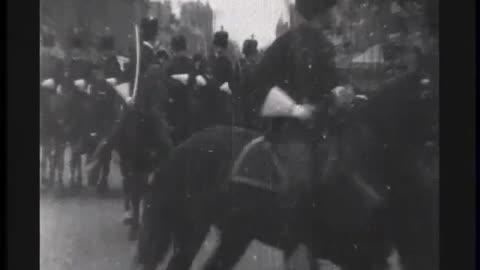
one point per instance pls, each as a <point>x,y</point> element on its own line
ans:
<point>246,115</point>
<point>218,104</point>
<point>151,92</point>
<point>151,100</point>
<point>51,67</point>
<point>79,67</point>
<point>301,62</point>
<point>103,94</point>
<point>179,110</point>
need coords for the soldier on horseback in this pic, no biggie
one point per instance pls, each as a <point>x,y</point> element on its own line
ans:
<point>219,77</point>
<point>296,84</point>
<point>244,70</point>
<point>180,86</point>
<point>106,72</point>
<point>141,134</point>
<point>79,76</point>
<point>51,77</point>
<point>150,101</point>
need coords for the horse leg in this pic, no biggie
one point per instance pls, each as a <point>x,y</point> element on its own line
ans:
<point>188,241</point>
<point>136,196</point>
<point>127,183</point>
<point>59,162</point>
<point>43,164</point>
<point>233,245</point>
<point>94,172</point>
<point>78,182</point>
<point>50,155</point>
<point>73,167</point>
<point>105,171</point>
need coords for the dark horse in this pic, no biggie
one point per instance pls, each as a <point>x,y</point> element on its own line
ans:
<point>141,151</point>
<point>380,194</point>
<point>91,116</point>
<point>54,132</point>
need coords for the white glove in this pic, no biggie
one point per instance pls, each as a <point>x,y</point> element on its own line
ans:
<point>343,95</point>
<point>363,97</point>
<point>89,89</point>
<point>200,80</point>
<point>302,112</point>
<point>112,81</point>
<point>425,81</point>
<point>59,89</point>
<point>226,88</point>
<point>48,83</point>
<point>129,101</point>
<point>183,78</point>
<point>80,84</point>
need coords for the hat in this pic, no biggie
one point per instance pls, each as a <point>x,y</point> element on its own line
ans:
<point>106,41</point>
<point>311,8</point>
<point>77,40</point>
<point>250,46</point>
<point>149,28</point>
<point>178,43</point>
<point>220,39</point>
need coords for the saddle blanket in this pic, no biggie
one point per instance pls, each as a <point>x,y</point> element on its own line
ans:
<point>257,165</point>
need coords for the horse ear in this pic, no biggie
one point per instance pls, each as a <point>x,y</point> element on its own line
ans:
<point>277,103</point>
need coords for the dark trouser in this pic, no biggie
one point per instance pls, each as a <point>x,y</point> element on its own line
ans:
<point>308,163</point>
<point>296,157</point>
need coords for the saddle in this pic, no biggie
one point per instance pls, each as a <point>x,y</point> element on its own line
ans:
<point>258,166</point>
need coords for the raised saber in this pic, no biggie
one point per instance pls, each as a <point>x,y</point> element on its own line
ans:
<point>137,66</point>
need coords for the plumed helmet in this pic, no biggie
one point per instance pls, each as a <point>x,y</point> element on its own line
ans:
<point>178,43</point>
<point>220,39</point>
<point>311,8</point>
<point>149,28</point>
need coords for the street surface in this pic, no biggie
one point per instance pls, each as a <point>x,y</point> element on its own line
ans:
<point>84,232</point>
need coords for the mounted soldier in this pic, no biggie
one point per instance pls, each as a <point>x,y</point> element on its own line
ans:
<point>244,71</point>
<point>220,79</point>
<point>79,76</point>
<point>141,136</point>
<point>51,79</point>
<point>105,104</point>
<point>297,88</point>
<point>180,87</point>
<point>149,103</point>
